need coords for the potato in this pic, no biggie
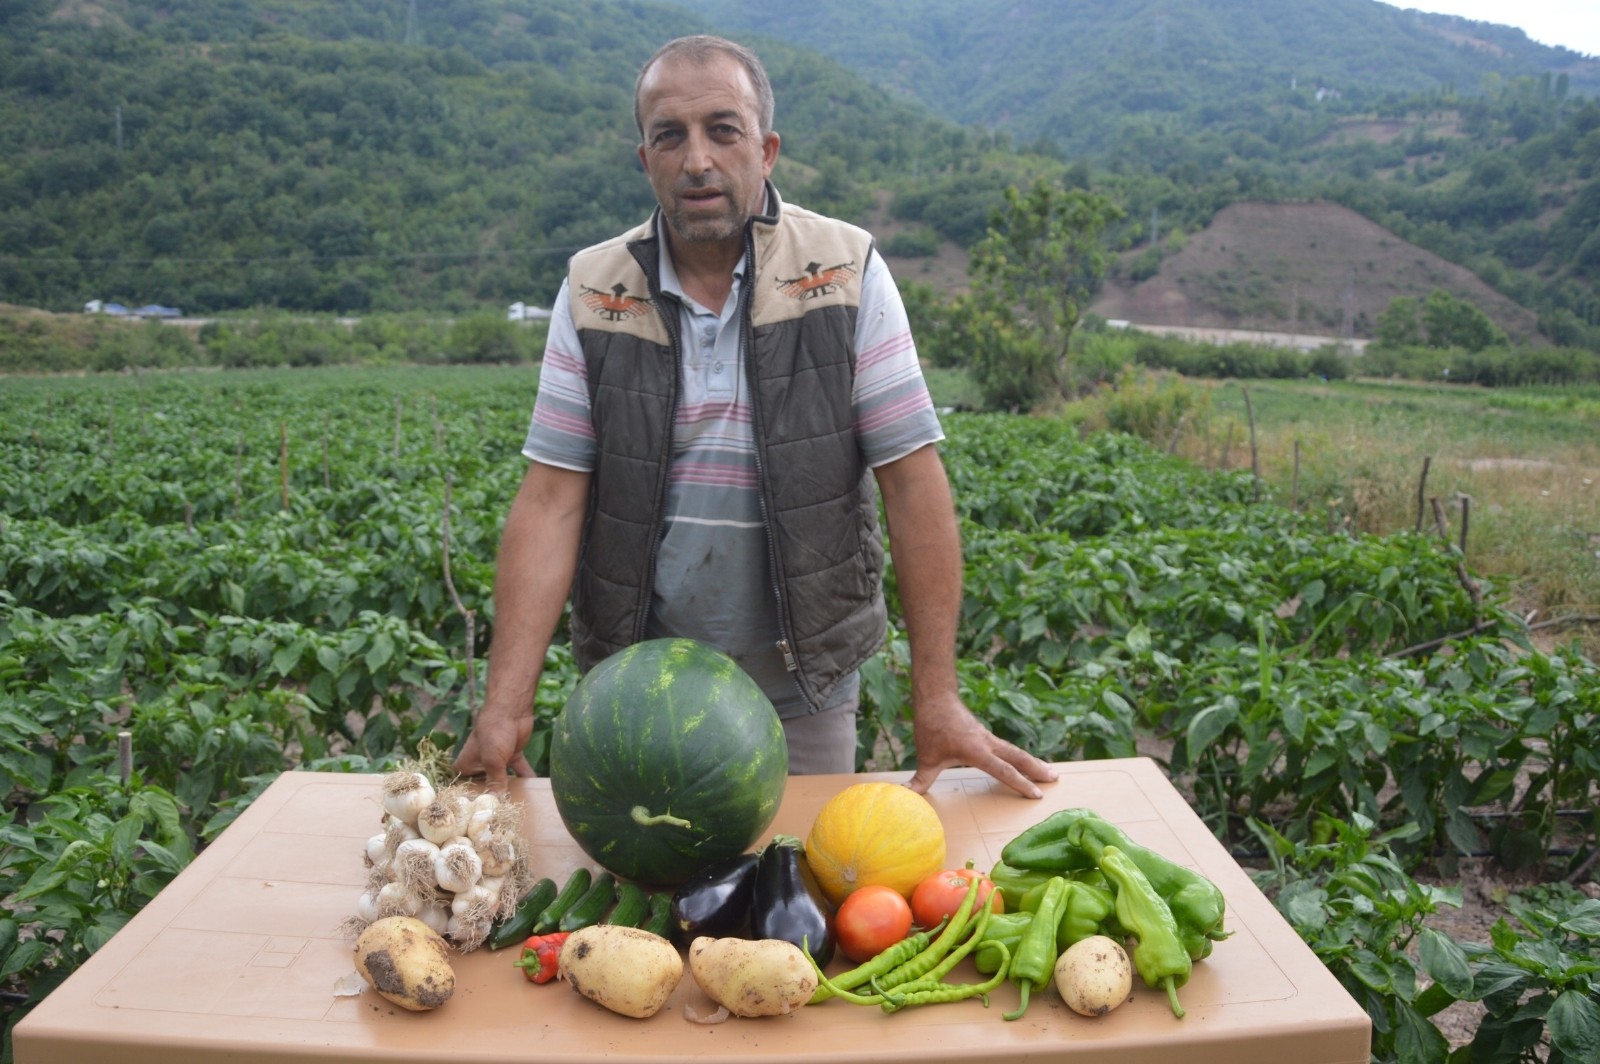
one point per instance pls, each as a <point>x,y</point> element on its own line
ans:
<point>407,962</point>
<point>626,969</point>
<point>764,977</point>
<point>1094,975</point>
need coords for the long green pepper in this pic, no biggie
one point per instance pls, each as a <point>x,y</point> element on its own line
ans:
<point>944,992</point>
<point>1071,840</point>
<point>1158,952</point>
<point>956,930</point>
<point>935,975</point>
<point>1034,964</point>
<point>864,973</point>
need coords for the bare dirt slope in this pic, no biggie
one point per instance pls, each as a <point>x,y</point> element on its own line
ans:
<point>1297,267</point>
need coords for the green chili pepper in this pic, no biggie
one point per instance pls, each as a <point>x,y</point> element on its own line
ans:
<point>1003,929</point>
<point>932,979</point>
<point>1072,839</point>
<point>952,992</point>
<point>1034,964</point>
<point>1196,902</point>
<point>1014,883</point>
<point>883,963</point>
<point>1158,954</point>
<point>955,930</point>
<point>1045,847</point>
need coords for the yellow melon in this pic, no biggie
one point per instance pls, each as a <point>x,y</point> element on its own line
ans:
<point>875,833</point>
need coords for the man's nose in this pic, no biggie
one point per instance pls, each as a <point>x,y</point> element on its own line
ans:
<point>699,158</point>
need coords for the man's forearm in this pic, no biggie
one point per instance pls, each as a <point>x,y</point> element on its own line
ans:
<point>925,544</point>
<point>538,556</point>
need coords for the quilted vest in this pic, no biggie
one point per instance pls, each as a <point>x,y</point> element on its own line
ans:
<point>798,312</point>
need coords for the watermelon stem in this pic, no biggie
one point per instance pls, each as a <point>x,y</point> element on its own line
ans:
<point>645,818</point>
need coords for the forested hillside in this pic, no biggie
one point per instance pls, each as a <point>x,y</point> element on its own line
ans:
<point>372,155</point>
<point>1087,74</point>
<point>342,155</point>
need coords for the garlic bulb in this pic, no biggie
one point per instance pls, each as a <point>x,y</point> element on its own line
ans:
<point>406,794</point>
<point>457,866</point>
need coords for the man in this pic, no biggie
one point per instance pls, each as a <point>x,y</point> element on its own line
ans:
<point>717,384</point>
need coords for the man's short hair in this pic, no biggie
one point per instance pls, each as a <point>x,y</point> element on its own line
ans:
<point>702,49</point>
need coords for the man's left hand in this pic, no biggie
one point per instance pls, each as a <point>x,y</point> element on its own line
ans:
<point>948,734</point>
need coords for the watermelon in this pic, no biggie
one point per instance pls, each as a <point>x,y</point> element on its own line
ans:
<point>666,757</point>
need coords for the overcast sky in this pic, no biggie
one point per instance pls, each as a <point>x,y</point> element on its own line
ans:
<point>1571,24</point>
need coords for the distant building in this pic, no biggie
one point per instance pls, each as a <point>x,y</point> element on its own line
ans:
<point>117,310</point>
<point>520,311</point>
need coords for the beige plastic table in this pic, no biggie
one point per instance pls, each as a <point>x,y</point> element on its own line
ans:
<point>237,960</point>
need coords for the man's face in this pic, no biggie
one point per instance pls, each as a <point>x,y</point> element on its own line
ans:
<point>703,148</point>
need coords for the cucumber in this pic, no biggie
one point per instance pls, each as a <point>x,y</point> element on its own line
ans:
<point>593,905</point>
<point>632,905</point>
<point>518,926</point>
<point>659,919</point>
<point>574,888</point>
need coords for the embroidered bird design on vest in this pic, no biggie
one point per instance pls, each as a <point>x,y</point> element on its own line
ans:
<point>818,281</point>
<point>616,304</point>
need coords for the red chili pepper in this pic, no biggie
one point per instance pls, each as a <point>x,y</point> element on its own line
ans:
<point>540,956</point>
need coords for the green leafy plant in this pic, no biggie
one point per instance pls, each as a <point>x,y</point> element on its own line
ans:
<point>1538,978</point>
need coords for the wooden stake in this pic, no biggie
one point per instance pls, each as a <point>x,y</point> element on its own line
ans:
<point>283,465</point>
<point>1294,484</point>
<point>327,473</point>
<point>399,407</point>
<point>1422,491</point>
<point>238,476</point>
<point>468,615</point>
<point>124,755</point>
<point>1255,455</point>
<point>1466,518</point>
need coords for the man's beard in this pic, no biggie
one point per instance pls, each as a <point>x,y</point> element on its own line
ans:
<point>726,225</point>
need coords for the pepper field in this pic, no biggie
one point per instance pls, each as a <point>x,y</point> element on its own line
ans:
<point>211,578</point>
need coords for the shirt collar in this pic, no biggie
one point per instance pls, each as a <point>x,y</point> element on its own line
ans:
<point>669,273</point>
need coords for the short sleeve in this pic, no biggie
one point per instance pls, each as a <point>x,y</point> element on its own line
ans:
<point>561,432</point>
<point>894,413</point>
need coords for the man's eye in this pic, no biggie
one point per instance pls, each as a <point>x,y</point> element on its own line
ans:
<point>725,132</point>
<point>667,138</point>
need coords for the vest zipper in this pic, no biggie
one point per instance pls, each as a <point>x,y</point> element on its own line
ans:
<point>746,335</point>
<point>669,317</point>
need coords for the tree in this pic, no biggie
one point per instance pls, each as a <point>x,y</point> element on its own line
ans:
<point>1033,272</point>
<point>1453,322</point>
<point>1399,325</point>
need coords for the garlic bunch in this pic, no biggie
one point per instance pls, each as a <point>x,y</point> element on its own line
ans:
<point>448,858</point>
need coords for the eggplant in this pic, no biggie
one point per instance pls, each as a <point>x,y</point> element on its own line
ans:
<point>788,902</point>
<point>715,901</point>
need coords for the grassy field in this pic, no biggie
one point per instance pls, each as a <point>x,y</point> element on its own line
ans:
<point>1520,467</point>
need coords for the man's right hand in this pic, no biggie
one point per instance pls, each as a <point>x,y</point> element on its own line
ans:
<point>494,748</point>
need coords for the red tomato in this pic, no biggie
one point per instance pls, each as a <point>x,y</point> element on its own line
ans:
<point>870,920</point>
<point>940,895</point>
